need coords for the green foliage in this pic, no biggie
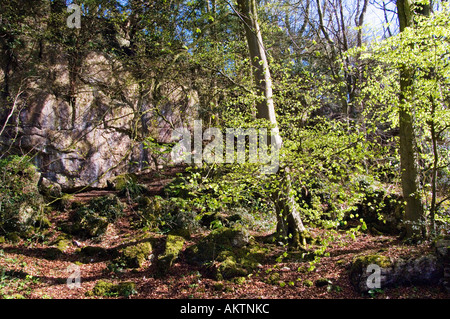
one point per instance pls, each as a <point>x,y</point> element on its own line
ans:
<point>423,49</point>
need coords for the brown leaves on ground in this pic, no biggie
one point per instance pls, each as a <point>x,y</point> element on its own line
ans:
<point>29,273</point>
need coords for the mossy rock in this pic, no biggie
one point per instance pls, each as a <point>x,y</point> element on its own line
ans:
<point>92,219</point>
<point>43,222</point>
<point>239,280</point>
<point>109,289</point>
<point>120,182</point>
<point>135,255</point>
<point>64,202</point>
<point>22,204</point>
<point>213,218</point>
<point>229,260</point>
<point>174,245</point>
<point>229,267</point>
<point>218,240</point>
<point>360,264</point>
<point>63,244</point>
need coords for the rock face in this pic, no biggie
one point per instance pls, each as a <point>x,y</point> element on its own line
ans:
<point>84,130</point>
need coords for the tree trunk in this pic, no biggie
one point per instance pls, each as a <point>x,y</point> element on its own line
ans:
<point>414,215</point>
<point>289,221</point>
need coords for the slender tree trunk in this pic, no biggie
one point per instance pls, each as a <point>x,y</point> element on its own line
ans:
<point>414,215</point>
<point>288,216</point>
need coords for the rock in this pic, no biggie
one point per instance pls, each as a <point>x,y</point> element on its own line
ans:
<point>360,271</point>
<point>174,245</point>
<point>442,247</point>
<point>381,210</point>
<point>227,252</point>
<point>414,271</point>
<point>135,255</point>
<point>219,239</point>
<point>418,271</point>
<point>108,289</point>
<point>92,219</point>
<point>118,183</point>
<point>50,190</point>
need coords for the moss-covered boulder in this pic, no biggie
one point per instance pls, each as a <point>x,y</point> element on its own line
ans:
<point>417,270</point>
<point>360,270</point>
<point>92,219</point>
<point>120,182</point>
<point>227,252</point>
<point>109,289</point>
<point>173,247</point>
<point>135,255</point>
<point>21,204</point>
<point>218,240</point>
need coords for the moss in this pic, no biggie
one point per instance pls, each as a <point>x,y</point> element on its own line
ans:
<point>174,245</point>
<point>63,244</point>
<point>307,283</point>
<point>109,289</point>
<point>361,262</point>
<point>274,278</point>
<point>43,222</point>
<point>103,288</point>
<point>229,268</point>
<point>121,182</point>
<point>134,256</point>
<point>228,250</point>
<point>126,289</point>
<point>218,286</point>
<point>239,280</point>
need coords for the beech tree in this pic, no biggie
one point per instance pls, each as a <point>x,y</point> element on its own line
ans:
<point>289,220</point>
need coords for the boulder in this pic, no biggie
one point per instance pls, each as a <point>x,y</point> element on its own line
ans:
<point>413,271</point>
<point>50,190</point>
<point>92,219</point>
<point>108,289</point>
<point>134,256</point>
<point>227,252</point>
<point>173,247</point>
<point>22,206</point>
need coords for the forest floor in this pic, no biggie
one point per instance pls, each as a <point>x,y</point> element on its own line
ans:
<point>27,269</point>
